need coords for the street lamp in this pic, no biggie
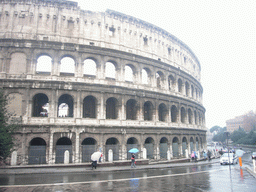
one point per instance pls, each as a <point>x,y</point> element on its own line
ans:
<point>227,134</point>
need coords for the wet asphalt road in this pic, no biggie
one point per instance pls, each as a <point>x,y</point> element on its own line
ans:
<point>211,177</point>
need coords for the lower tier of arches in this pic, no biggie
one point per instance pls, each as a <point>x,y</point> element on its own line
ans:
<point>53,145</point>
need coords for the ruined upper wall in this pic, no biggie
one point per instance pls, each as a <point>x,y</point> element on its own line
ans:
<point>63,21</point>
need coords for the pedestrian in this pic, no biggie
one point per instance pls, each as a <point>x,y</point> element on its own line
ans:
<point>133,161</point>
<point>209,154</point>
<point>205,155</point>
<point>195,156</point>
<point>192,155</point>
<point>100,157</point>
<point>94,164</point>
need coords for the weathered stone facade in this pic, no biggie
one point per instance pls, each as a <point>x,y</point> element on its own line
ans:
<point>158,107</point>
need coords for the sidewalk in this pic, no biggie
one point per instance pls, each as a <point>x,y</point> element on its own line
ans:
<point>106,166</point>
<point>115,166</point>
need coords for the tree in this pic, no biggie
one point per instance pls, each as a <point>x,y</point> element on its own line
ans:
<point>7,128</point>
<point>215,128</point>
<point>237,134</point>
<point>220,136</point>
<point>249,139</point>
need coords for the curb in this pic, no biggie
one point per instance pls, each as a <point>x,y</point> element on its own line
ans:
<point>77,169</point>
<point>251,172</point>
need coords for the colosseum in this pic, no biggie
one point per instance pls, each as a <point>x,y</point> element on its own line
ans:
<point>81,81</point>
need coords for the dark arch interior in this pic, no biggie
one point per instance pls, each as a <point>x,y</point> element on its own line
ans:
<point>37,141</point>
<point>64,141</point>
<point>112,141</point>
<point>149,140</point>
<point>89,141</point>
<point>164,140</point>
<point>132,140</point>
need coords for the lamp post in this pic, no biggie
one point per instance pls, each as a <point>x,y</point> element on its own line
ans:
<point>227,134</point>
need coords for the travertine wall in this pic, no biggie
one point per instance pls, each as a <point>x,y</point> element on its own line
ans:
<point>61,21</point>
<point>59,29</point>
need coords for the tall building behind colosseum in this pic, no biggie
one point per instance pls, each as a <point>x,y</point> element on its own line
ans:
<point>82,81</point>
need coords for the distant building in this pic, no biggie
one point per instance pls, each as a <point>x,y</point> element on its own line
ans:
<point>234,124</point>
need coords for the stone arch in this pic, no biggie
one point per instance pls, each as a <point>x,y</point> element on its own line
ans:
<point>180,85</point>
<point>113,144</point>
<point>44,64</point>
<point>148,111</point>
<point>67,65</point>
<point>145,76</point>
<point>62,145</point>
<point>89,146</point>
<point>65,106</point>
<point>192,91</point>
<point>182,115</point>
<point>37,151</point>
<point>40,105</point>
<point>131,109</point>
<point>149,145</point>
<point>111,108</point>
<point>191,144</point>
<point>199,118</point>
<point>132,142</point>
<point>195,117</point>
<point>187,87</point>
<point>90,67</point>
<point>175,147</point>
<point>14,104</point>
<point>18,63</point>
<point>174,113</point>
<point>171,82</point>
<point>130,73</point>
<point>190,116</point>
<point>159,79</point>
<point>162,112</point>
<point>163,148</point>
<point>110,70</point>
<point>89,107</point>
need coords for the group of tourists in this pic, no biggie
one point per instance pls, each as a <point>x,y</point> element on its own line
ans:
<point>206,155</point>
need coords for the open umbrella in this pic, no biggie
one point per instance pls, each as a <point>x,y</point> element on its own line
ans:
<point>96,156</point>
<point>133,150</point>
<point>239,153</point>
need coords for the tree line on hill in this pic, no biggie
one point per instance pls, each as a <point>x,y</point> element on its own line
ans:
<point>238,136</point>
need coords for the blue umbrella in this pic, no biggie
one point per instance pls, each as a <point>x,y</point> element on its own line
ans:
<point>133,150</point>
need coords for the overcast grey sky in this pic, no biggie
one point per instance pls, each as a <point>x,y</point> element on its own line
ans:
<point>221,33</point>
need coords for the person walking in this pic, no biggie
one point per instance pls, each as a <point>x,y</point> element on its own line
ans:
<point>192,155</point>
<point>133,161</point>
<point>209,154</point>
<point>195,156</point>
<point>94,164</point>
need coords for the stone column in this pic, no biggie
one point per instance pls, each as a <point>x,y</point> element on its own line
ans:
<point>77,152</point>
<point>180,147</point>
<point>53,109</point>
<point>123,112</point>
<point>171,151</point>
<point>102,109</point>
<point>55,65</point>
<point>183,89</point>
<point>79,67</point>
<point>78,105</point>
<point>169,120</point>
<point>140,112</point>
<point>51,157</point>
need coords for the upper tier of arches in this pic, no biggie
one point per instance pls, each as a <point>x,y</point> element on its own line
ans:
<point>65,23</point>
<point>93,67</point>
